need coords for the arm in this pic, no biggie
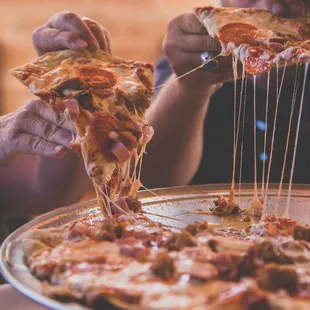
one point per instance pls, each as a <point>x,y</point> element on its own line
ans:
<point>175,151</point>
<point>179,111</point>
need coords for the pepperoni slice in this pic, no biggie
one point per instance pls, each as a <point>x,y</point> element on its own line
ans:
<point>304,31</point>
<point>259,60</point>
<point>276,47</point>
<point>101,125</point>
<point>97,77</point>
<point>237,33</point>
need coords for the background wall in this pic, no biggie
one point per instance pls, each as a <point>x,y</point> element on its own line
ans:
<point>137,28</point>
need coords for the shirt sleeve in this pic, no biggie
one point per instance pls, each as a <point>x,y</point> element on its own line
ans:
<point>162,73</point>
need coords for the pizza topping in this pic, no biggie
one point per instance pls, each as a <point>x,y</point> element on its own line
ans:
<point>237,33</point>
<point>301,232</point>
<point>180,241</point>
<point>276,47</point>
<point>78,232</point>
<point>274,277</point>
<point>85,100</point>
<point>59,106</point>
<point>227,264</point>
<point>259,60</point>
<point>203,271</point>
<point>144,79</point>
<point>133,204</point>
<point>98,78</point>
<point>120,152</point>
<point>163,266</point>
<point>222,206</point>
<point>110,231</point>
<point>304,31</point>
<point>101,126</point>
<point>194,229</point>
<point>128,139</point>
<point>72,107</point>
<point>199,254</point>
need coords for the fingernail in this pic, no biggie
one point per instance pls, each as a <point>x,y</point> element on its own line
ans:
<point>58,148</point>
<point>80,44</point>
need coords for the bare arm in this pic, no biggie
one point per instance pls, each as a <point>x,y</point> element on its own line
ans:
<point>175,151</point>
<point>33,184</point>
<point>179,112</point>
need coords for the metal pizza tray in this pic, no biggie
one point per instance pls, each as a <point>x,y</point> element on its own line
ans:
<point>174,207</point>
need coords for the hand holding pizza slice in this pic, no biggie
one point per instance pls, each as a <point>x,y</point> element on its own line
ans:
<point>257,38</point>
<point>106,99</point>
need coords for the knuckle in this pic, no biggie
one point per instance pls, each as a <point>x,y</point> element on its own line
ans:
<point>168,47</point>
<point>36,35</point>
<point>68,16</point>
<point>48,129</point>
<point>21,117</point>
<point>36,143</point>
<point>32,104</point>
<point>10,134</point>
<point>71,37</point>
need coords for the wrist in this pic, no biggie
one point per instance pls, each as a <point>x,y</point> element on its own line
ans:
<point>196,90</point>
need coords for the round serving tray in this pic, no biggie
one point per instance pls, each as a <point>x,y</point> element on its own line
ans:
<point>174,207</point>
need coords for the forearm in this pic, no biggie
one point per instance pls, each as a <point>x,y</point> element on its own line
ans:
<point>174,153</point>
<point>34,184</point>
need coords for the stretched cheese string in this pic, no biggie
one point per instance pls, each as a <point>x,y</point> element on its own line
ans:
<point>279,89</point>
<point>242,136</point>
<point>287,140</point>
<point>187,73</point>
<point>286,213</point>
<point>235,74</point>
<point>254,141</point>
<point>265,136</point>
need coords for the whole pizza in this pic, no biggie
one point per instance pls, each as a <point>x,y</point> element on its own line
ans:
<point>129,261</point>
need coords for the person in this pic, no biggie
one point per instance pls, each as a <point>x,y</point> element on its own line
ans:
<point>35,157</point>
<point>192,118</point>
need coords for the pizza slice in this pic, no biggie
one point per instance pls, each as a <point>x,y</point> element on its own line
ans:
<point>106,98</point>
<point>257,38</point>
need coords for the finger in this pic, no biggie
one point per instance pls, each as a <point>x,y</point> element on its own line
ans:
<point>99,34</point>
<point>42,110</point>
<point>194,43</point>
<point>108,38</point>
<point>190,61</point>
<point>47,39</point>
<point>69,21</point>
<point>30,123</point>
<point>26,143</point>
<point>187,23</point>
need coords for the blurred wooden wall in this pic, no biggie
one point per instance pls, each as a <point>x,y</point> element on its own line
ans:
<point>137,28</point>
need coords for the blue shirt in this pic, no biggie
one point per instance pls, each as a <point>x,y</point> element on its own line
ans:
<point>217,161</point>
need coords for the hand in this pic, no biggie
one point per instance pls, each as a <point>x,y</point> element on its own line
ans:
<point>34,129</point>
<point>67,30</point>
<point>185,40</point>
<point>287,7</point>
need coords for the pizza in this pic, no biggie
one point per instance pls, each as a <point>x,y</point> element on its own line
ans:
<point>106,98</point>
<point>132,262</point>
<point>257,38</point>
